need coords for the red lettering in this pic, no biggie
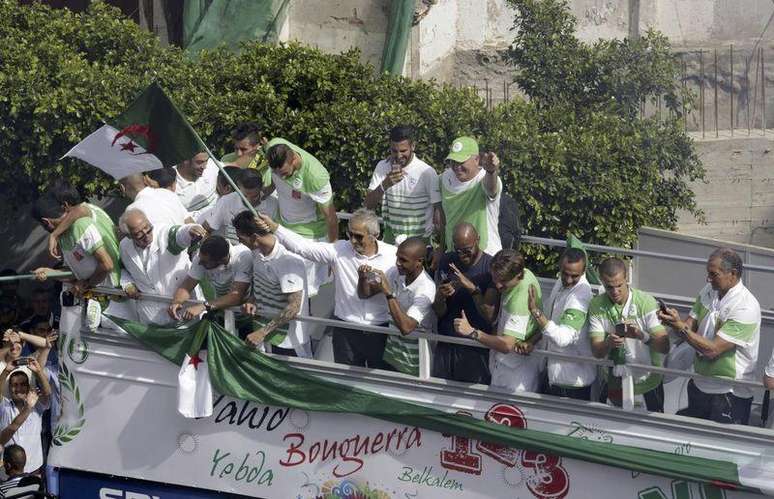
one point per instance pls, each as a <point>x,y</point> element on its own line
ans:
<point>460,457</point>
<point>548,480</point>
<point>361,447</point>
<point>314,451</point>
<point>329,452</point>
<point>377,441</point>
<point>295,455</point>
<point>508,415</point>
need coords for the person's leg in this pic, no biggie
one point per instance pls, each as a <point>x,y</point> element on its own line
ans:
<point>343,351</point>
<point>699,403</point>
<point>372,349</point>
<point>288,352</point>
<point>727,408</point>
<point>441,366</point>
<point>654,399</point>
<point>470,364</point>
<point>582,393</point>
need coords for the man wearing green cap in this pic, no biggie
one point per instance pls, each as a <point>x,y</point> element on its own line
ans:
<point>470,192</point>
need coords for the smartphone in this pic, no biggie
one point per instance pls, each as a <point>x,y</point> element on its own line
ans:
<point>620,329</point>
<point>662,306</point>
<point>22,361</point>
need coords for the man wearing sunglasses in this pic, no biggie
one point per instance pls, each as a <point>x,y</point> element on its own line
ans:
<point>470,192</point>
<point>355,298</point>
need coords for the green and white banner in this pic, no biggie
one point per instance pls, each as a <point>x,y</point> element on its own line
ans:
<point>277,431</point>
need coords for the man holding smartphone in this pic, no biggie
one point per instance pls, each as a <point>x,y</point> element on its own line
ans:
<point>461,280</point>
<point>624,326</point>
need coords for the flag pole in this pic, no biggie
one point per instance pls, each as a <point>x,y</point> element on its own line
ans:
<point>212,156</point>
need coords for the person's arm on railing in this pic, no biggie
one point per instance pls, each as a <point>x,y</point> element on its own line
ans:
<point>287,314</point>
<point>182,294</point>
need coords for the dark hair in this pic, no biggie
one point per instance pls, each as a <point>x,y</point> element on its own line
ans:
<point>249,130</point>
<point>573,255</point>
<point>401,133</point>
<point>164,176</point>
<point>63,192</point>
<point>730,261</point>
<point>507,264</point>
<point>215,247</point>
<point>19,373</point>
<point>233,171</point>
<point>251,179</point>
<point>15,456</point>
<point>278,155</point>
<point>244,223</point>
<point>612,266</point>
<point>46,207</point>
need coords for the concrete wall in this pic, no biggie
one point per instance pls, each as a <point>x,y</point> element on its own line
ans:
<point>738,197</point>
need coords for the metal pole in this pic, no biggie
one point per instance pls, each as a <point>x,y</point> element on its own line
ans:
<point>486,92</point>
<point>763,93</point>
<point>701,91</point>
<point>658,100</point>
<point>505,90</point>
<point>731,62</point>
<point>685,87</point>
<point>747,78</point>
<point>717,132</point>
<point>28,277</point>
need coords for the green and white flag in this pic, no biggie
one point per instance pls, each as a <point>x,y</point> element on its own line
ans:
<point>152,133</point>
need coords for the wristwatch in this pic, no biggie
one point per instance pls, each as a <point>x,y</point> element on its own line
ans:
<point>389,296</point>
<point>207,307</point>
<point>474,335</point>
<point>537,313</point>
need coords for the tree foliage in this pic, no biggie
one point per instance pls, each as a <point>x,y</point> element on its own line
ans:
<point>576,154</point>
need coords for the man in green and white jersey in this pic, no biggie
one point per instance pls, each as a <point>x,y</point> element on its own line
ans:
<point>564,328</point>
<point>225,272</point>
<point>279,291</point>
<point>89,246</point>
<point>470,192</point>
<point>408,189</point>
<point>724,328</point>
<point>624,326</point>
<point>512,368</point>
<point>409,292</point>
<point>305,199</point>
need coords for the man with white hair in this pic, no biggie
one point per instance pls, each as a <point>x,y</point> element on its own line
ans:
<point>155,261</point>
<point>355,299</point>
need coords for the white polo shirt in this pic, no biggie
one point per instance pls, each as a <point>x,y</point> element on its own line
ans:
<point>28,434</point>
<point>196,195</point>
<point>161,206</point>
<point>345,262</point>
<point>238,269</point>
<point>221,216</point>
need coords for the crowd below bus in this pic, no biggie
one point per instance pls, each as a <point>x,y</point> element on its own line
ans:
<point>443,259</point>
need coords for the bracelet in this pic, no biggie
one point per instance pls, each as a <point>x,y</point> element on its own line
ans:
<point>474,335</point>
<point>537,313</point>
<point>645,337</point>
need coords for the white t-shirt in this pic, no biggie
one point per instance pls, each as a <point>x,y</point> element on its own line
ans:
<point>238,269</point>
<point>345,262</point>
<point>28,434</point>
<point>567,333</point>
<point>161,206</point>
<point>274,277</point>
<point>231,205</point>
<point>769,371</point>
<point>198,194</point>
<point>407,207</point>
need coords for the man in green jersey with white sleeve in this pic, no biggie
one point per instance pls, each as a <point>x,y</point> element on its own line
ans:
<point>305,199</point>
<point>724,328</point>
<point>624,326</point>
<point>470,192</point>
<point>512,368</point>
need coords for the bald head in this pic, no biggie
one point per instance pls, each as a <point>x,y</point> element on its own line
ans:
<point>132,184</point>
<point>414,246</point>
<point>465,233</point>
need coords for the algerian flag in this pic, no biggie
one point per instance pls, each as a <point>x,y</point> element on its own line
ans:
<point>194,391</point>
<point>149,135</point>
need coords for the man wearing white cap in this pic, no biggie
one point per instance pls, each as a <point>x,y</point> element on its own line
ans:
<point>470,192</point>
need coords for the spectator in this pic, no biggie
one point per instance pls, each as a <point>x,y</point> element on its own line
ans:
<point>305,199</point>
<point>14,462</point>
<point>163,178</point>
<point>512,368</point>
<point>9,316</point>
<point>21,416</point>
<point>155,261</point>
<point>564,329</point>
<point>89,246</point>
<point>408,189</point>
<point>196,180</point>
<point>230,205</point>
<point>40,304</point>
<point>409,292</point>
<point>462,362</point>
<point>723,327</point>
<point>9,297</point>
<point>279,291</point>
<point>768,374</point>
<point>470,192</point>
<point>161,206</point>
<point>347,258</point>
<point>39,326</point>
<point>227,271</point>
<point>623,324</point>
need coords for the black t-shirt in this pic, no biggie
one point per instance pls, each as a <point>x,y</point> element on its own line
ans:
<point>461,299</point>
